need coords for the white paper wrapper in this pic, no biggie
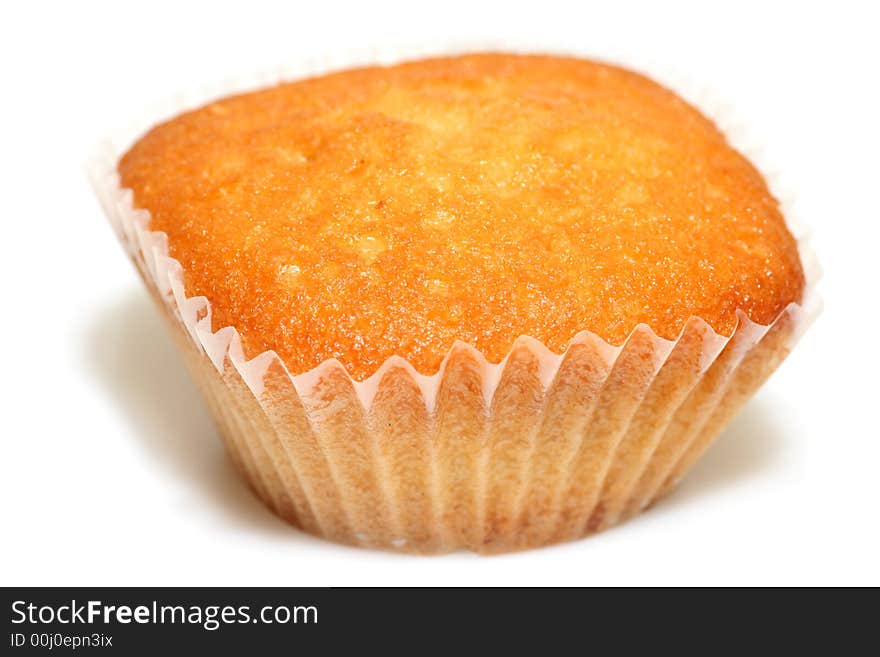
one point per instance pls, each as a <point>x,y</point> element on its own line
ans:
<point>539,448</point>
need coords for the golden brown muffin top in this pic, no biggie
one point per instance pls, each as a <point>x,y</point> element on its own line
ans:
<point>385,211</point>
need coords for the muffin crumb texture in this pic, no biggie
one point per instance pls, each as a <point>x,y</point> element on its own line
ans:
<point>386,211</point>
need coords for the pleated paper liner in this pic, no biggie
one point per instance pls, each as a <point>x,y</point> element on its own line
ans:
<point>537,449</point>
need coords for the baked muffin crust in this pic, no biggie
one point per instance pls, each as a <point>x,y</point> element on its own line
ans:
<point>385,211</point>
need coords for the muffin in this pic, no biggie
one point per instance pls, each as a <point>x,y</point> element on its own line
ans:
<point>489,301</point>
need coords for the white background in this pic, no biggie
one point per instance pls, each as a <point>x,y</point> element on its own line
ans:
<point>111,472</point>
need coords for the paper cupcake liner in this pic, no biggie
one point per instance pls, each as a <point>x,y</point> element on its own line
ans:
<point>537,449</point>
